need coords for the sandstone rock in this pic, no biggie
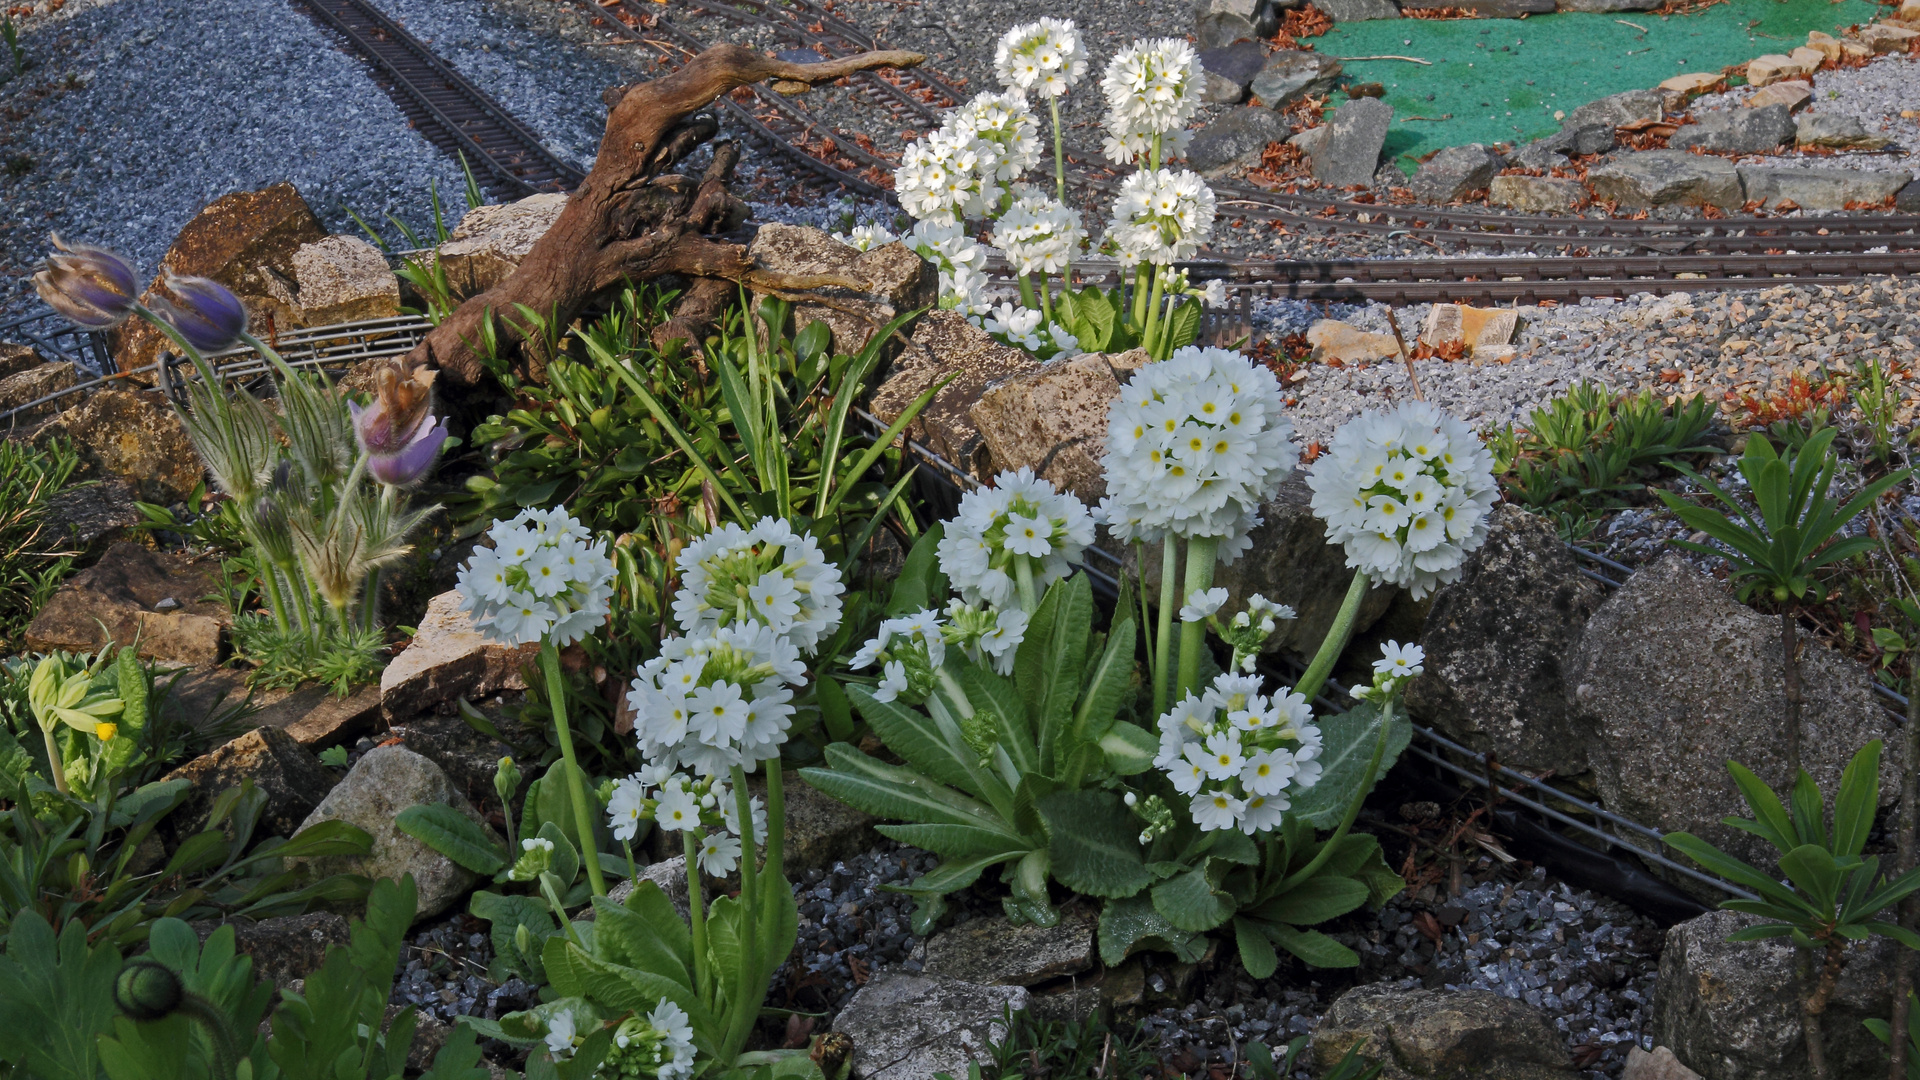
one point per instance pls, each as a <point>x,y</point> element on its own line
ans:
<point>669,874</point>
<point>1773,67</point>
<point>1793,93</point>
<point>1674,679</point>
<point>239,240</point>
<point>1218,28</point>
<point>993,952</point>
<point>1230,69</point>
<point>1358,10</point>
<point>316,718</point>
<point>131,435</point>
<point>897,280</point>
<point>16,358</point>
<point>1618,110</point>
<point>1732,1009</point>
<point>292,779</point>
<point>948,344</point>
<point>1742,131</point>
<point>1808,57</point>
<point>1497,641</point>
<point>1053,420</point>
<point>490,241</point>
<point>1443,1035</point>
<point>1681,89</point>
<point>286,948</point>
<point>1827,45</point>
<point>1476,327</point>
<point>342,279</point>
<point>1882,38</point>
<point>821,830</point>
<point>1455,172</point>
<point>20,389</point>
<point>1659,1065</point>
<point>1235,140</point>
<point>1356,132</point>
<point>92,517</point>
<point>384,782</point>
<point>1536,194</point>
<point>1291,74</point>
<point>1821,189</point>
<point>1664,177</point>
<point>449,659</point>
<point>122,591</point>
<point>909,1027</point>
<point>1826,129</point>
<point>1335,340</point>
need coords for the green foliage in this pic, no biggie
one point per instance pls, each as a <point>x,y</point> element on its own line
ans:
<point>1790,531</point>
<point>1032,1047</point>
<point>1878,399</point>
<point>1351,1066</point>
<point>1884,1032</point>
<point>33,559</point>
<point>288,657</point>
<point>10,34</point>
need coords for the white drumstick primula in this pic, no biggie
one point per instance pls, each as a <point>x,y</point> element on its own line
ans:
<point>768,574</point>
<point>1003,123</point>
<point>947,176</point>
<point>909,649</point>
<point>1238,754</point>
<point>1152,88</point>
<point>1039,235</point>
<point>1020,516</point>
<point>717,699</point>
<point>1161,216</point>
<point>1025,328</point>
<point>1044,58</point>
<point>866,237</point>
<point>544,578</point>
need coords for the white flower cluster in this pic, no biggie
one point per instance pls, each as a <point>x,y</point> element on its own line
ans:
<point>1039,235</point>
<point>1152,88</point>
<point>866,237</point>
<point>1237,753</point>
<point>659,1044</point>
<point>986,634</point>
<point>909,650</point>
<point>962,264</point>
<point>769,574</point>
<point>1194,445</point>
<point>544,578</point>
<point>1021,515</point>
<point>1408,494</point>
<point>1161,217</point>
<point>1007,125</point>
<point>946,176</point>
<point>684,804</point>
<point>1044,58</point>
<point>1025,328</point>
<point>718,699</point>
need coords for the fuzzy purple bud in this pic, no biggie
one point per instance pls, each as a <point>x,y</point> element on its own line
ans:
<point>399,432</point>
<point>92,287</point>
<point>208,316</point>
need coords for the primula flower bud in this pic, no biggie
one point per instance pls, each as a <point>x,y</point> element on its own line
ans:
<point>206,315</point>
<point>147,991</point>
<point>92,287</point>
<point>399,432</point>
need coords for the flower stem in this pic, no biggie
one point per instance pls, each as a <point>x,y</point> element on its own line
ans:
<point>1046,303</point>
<point>1150,336</point>
<point>1163,649</point>
<point>1146,611</point>
<point>1026,293</point>
<point>1140,278</point>
<point>697,922</point>
<point>1327,849</point>
<point>744,1013</point>
<point>1023,574</point>
<point>1193,635</point>
<point>582,814</point>
<point>56,762</point>
<point>275,601</point>
<point>1059,154</point>
<point>1337,635</point>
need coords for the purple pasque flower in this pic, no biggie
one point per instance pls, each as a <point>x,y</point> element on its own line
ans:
<point>398,432</point>
<point>94,288</point>
<point>205,313</point>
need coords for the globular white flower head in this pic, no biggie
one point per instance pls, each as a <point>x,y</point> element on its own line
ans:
<point>544,578</point>
<point>961,261</point>
<point>1044,58</point>
<point>769,574</point>
<point>716,699</point>
<point>1129,147</point>
<point>1039,234</point>
<point>947,176</point>
<point>1407,493</point>
<point>1152,88</point>
<point>1161,216</point>
<point>1025,328</point>
<point>992,634</point>
<point>1021,515</point>
<point>1006,126</point>
<point>909,648</point>
<point>659,1044</point>
<point>1194,445</point>
<point>866,237</point>
<point>1238,754</point>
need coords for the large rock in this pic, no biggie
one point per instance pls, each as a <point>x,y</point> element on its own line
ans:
<point>449,659</point>
<point>1053,420</point>
<point>384,782</point>
<point>133,435</point>
<point>1496,643</point>
<point>92,517</point>
<point>821,830</point>
<point>1358,10</point>
<point>239,240</point>
<point>1821,189</point>
<point>897,280</point>
<point>1230,69</point>
<point>1731,1010</point>
<point>21,389</point>
<point>1664,177</point>
<point>909,1027</point>
<point>947,344</point>
<point>16,357</point>
<point>136,593</point>
<point>1264,15</point>
<point>288,774</point>
<point>1536,194</point>
<point>1835,132</point>
<point>1443,1035</point>
<point>1356,132</point>
<point>995,952</point>
<point>1774,67</point>
<point>1455,172</point>
<point>1218,28</point>
<point>341,279</point>
<point>1234,142</point>
<point>1741,131</point>
<point>1794,95</point>
<point>1882,38</point>
<point>1674,679</point>
<point>286,948</point>
<point>1292,74</point>
<point>317,718</point>
<point>1618,110</point>
<point>669,874</point>
<point>490,241</point>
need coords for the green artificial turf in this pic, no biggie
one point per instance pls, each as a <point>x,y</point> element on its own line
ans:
<point>1502,80</point>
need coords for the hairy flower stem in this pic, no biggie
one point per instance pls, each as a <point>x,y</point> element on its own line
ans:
<point>697,922</point>
<point>583,811</point>
<point>1790,664</point>
<point>1163,648</point>
<point>1193,635</point>
<point>744,1013</point>
<point>1908,843</point>
<point>1059,154</point>
<point>1156,327</point>
<point>1336,641</point>
<point>1023,576</point>
<point>1026,293</point>
<point>1142,274</point>
<point>275,601</point>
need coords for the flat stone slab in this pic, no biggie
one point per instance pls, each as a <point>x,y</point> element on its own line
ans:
<point>909,1027</point>
<point>136,593</point>
<point>995,952</point>
<point>1821,189</point>
<point>1665,177</point>
<point>449,659</point>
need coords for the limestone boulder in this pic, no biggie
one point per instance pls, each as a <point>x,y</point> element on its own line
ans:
<point>1536,194</point>
<point>1356,133</point>
<point>945,344</point>
<point>288,774</point>
<point>1740,131</point>
<point>21,389</point>
<point>1230,69</point>
<point>136,593</point>
<point>909,1027</point>
<point>1291,74</point>
<point>1667,177</point>
<point>1235,141</point>
<point>994,952</point>
<point>341,279</point>
<point>1053,420</point>
<point>489,242</point>
<point>1821,189</point>
<point>1443,1035</point>
<point>1455,172</point>
<point>1835,132</point>
<point>1618,110</point>
<point>133,435</point>
<point>895,280</point>
<point>449,659</point>
<point>1215,29</point>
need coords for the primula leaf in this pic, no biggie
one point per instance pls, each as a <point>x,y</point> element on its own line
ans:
<point>1859,796</point>
<point>889,791</point>
<point>1190,902</point>
<point>1184,325</point>
<point>1256,948</point>
<point>1314,947</point>
<point>952,841</point>
<point>1316,900</point>
<point>451,833</point>
<point>952,874</point>
<point>1095,843</point>
<point>1109,684</point>
<point>623,936</point>
<point>1051,659</point>
<point>1131,924</point>
<point>1129,749</point>
<point>916,737</point>
<point>1349,739</point>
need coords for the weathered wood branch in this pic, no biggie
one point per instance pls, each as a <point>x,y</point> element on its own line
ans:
<point>632,219</point>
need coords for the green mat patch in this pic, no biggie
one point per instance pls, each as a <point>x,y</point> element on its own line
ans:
<point>1502,80</point>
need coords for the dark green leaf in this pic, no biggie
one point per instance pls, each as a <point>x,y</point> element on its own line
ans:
<point>1190,902</point>
<point>1349,740</point>
<point>1131,924</point>
<point>1314,947</point>
<point>1095,843</point>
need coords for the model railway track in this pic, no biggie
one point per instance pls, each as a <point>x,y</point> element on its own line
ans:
<point>508,160</point>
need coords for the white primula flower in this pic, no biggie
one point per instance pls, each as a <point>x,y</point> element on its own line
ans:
<point>768,574</point>
<point>1039,235</point>
<point>1006,126</point>
<point>1202,604</point>
<point>1025,328</point>
<point>1044,58</point>
<point>678,810</point>
<point>1152,89</point>
<point>947,176</point>
<point>1400,661</point>
<point>719,854</point>
<point>1216,809</point>
<point>1407,493</point>
<point>866,237</point>
<point>909,649</point>
<point>982,541</point>
<point>960,260</point>
<point>716,699</point>
<point>543,579</point>
<point>626,807</point>
<point>730,813</point>
<point>560,1034</point>
<point>1161,216</point>
<point>1238,753</point>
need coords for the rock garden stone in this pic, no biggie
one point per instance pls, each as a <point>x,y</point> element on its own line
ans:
<point>1536,194</point>
<point>21,388</point>
<point>384,782</point>
<point>1356,132</point>
<point>1230,69</point>
<point>489,242</point>
<point>1681,89</point>
<point>1732,1009</point>
<point>1443,1035</point>
<point>1358,10</point>
<point>1235,140</point>
<point>449,659</point>
<point>1053,420</point>
<point>1595,137</point>
<point>286,948</point>
<point>341,279</point>
<point>1506,9</point>
<point>1335,340</point>
<point>1836,132</point>
<point>1882,38</point>
<point>95,516</point>
<point>1291,74</point>
<point>669,874</point>
<point>1793,93</point>
<point>1618,110</point>
<point>1476,327</point>
<point>1455,172</point>
<point>820,830</point>
<point>1263,14</point>
<point>1673,679</point>
<point>1667,177</point>
<point>133,435</point>
<point>909,1027</point>
<point>288,774</point>
<point>1821,189</point>
<point>1218,28</point>
<point>947,343</point>
<point>16,357</point>
<point>1497,641</point>
<point>316,717</point>
<point>897,280</point>
<point>1658,1065</point>
<point>137,593</point>
<point>993,952</point>
<point>1773,67</point>
<point>1907,200</point>
<point>1743,131</point>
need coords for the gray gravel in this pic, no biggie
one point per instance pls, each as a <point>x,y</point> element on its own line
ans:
<point>1875,95</point>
